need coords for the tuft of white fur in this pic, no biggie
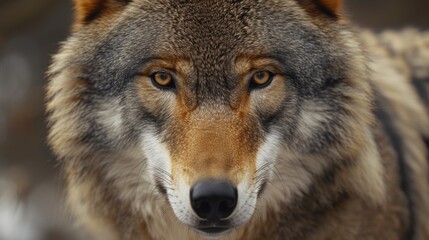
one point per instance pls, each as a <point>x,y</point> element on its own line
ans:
<point>156,154</point>
<point>110,117</point>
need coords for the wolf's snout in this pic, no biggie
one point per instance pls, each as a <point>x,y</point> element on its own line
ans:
<point>213,200</point>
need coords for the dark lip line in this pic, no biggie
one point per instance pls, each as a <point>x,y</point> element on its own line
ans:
<point>220,227</point>
<point>213,231</point>
<point>217,227</point>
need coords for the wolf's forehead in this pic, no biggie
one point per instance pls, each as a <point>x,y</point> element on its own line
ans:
<point>210,26</point>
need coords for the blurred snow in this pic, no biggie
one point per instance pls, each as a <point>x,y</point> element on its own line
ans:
<point>17,220</point>
<point>33,212</point>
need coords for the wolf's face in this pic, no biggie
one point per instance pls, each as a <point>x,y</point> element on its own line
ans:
<point>229,106</point>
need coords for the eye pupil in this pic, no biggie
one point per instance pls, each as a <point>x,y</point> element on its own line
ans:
<point>163,76</point>
<point>261,79</point>
<point>261,75</point>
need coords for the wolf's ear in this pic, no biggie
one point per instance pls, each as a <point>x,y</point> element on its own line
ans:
<point>331,5</point>
<point>330,8</point>
<point>88,10</point>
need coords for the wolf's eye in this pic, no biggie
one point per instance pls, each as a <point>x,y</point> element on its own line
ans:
<point>261,79</point>
<point>163,80</point>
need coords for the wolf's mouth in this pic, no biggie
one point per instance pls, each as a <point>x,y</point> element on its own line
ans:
<point>213,231</point>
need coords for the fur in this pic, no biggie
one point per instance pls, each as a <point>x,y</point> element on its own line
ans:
<point>335,147</point>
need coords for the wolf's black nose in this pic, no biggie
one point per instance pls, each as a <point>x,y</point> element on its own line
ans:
<point>213,200</point>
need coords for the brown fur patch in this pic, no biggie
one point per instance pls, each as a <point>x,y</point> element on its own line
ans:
<point>317,8</point>
<point>332,5</point>
<point>246,64</point>
<point>88,10</point>
<point>213,147</point>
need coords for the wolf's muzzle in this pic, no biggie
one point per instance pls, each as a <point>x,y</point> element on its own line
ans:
<point>213,200</point>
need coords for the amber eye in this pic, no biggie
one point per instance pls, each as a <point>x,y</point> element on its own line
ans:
<point>163,80</point>
<point>261,79</point>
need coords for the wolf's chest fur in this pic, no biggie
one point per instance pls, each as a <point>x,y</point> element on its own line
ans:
<point>240,120</point>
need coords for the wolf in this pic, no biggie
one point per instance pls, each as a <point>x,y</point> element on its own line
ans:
<point>240,119</point>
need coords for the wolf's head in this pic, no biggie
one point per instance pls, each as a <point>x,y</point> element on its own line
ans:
<point>219,106</point>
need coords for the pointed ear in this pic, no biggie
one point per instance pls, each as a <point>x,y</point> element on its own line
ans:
<point>329,8</point>
<point>331,5</point>
<point>88,10</point>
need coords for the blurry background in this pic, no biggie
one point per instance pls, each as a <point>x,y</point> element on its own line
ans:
<point>30,31</point>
